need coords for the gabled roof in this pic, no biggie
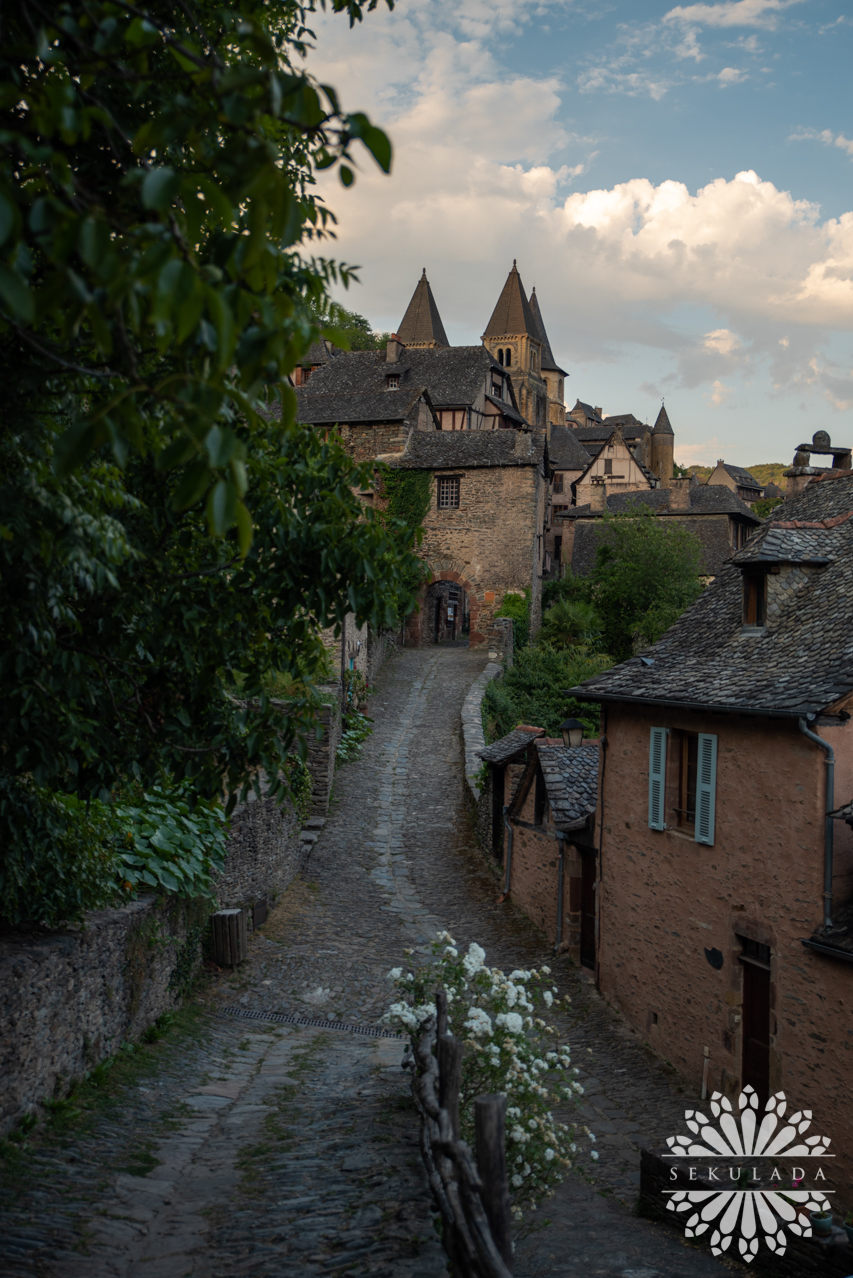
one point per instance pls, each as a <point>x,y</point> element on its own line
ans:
<point>800,663</point>
<point>454,376</point>
<point>422,322</point>
<point>360,406</point>
<point>468,449</point>
<point>740,476</point>
<point>588,410</point>
<point>548,363</point>
<point>662,425</point>
<point>512,315</point>
<point>564,451</point>
<point>623,420</point>
<point>571,782</point>
<point>511,746</point>
<point>320,352</point>
<point>601,434</point>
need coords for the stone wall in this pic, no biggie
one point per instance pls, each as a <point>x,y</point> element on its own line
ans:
<point>832,1258</point>
<point>322,748</point>
<point>263,851</point>
<point>68,999</point>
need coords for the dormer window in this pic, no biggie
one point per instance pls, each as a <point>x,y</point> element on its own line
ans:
<point>392,381</point>
<point>754,598</point>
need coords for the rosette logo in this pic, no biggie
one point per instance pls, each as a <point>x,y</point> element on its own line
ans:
<point>736,1198</point>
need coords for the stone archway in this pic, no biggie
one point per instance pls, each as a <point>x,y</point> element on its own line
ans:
<point>420,627</point>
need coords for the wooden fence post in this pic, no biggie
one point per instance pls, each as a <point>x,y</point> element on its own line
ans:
<point>448,1050</point>
<point>489,1114</point>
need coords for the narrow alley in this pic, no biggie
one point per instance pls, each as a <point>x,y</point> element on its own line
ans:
<point>264,1146</point>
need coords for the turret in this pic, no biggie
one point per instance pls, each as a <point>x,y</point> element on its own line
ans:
<point>663,448</point>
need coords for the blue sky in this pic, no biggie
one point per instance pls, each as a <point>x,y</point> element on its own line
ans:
<point>675,180</point>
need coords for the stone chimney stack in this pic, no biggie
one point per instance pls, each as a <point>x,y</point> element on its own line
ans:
<point>393,349</point>
<point>598,495</point>
<point>679,493</point>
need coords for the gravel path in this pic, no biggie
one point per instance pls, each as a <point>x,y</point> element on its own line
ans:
<point>291,1149</point>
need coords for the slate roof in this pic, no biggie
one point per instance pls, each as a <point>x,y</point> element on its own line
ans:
<point>511,746</point>
<point>508,410</point>
<point>662,425</point>
<point>714,499</point>
<point>512,315</point>
<point>422,322</point>
<point>601,434</point>
<point>548,363</point>
<point>454,377</point>
<point>470,449</point>
<point>800,663</point>
<point>564,451</point>
<point>741,476</point>
<point>839,937</point>
<point>623,420</point>
<point>320,352</point>
<point>571,782</point>
<point>588,409</point>
<point>371,406</point>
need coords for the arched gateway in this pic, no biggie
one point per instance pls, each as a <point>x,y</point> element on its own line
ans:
<point>444,603</point>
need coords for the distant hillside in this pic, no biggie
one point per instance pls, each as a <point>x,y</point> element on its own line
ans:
<point>764,472</point>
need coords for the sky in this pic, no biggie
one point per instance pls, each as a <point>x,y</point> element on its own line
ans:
<point>677,182</point>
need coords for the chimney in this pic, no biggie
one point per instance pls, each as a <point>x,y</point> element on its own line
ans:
<point>598,410</point>
<point>598,494</point>
<point>393,349</point>
<point>679,494</point>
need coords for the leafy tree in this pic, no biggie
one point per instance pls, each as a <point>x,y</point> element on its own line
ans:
<point>569,622</point>
<point>157,182</point>
<point>646,573</point>
<point>518,608</point>
<point>532,691</point>
<point>353,331</point>
<point>764,505</point>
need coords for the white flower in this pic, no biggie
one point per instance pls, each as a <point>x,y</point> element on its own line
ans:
<point>473,960</point>
<point>591,1135</point>
<point>594,1154</point>
<point>517,1181</point>
<point>478,1022</point>
<point>449,949</point>
<point>511,1021</point>
<point>513,1112</point>
<point>546,970</point>
<point>549,1154</point>
<point>548,997</point>
<point>578,1088</point>
<point>531,1123</point>
<point>394,974</point>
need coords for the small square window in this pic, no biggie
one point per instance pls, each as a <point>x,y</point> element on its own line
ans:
<point>448,494</point>
<point>392,381</point>
<point>754,598</point>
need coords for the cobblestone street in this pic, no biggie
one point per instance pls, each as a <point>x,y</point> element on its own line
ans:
<point>281,1148</point>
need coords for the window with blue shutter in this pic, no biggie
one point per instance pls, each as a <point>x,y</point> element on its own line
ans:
<point>706,787</point>
<point>657,778</point>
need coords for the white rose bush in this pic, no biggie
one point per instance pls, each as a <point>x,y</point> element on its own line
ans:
<point>508,1048</point>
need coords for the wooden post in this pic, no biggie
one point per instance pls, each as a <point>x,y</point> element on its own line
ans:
<point>229,937</point>
<point>489,1114</point>
<point>448,1051</point>
<point>441,1013</point>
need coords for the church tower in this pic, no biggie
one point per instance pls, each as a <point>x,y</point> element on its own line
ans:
<point>421,326</point>
<point>663,448</point>
<point>553,375</point>
<point>512,338</point>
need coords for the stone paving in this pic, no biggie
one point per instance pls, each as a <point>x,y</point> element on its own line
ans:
<point>289,1149</point>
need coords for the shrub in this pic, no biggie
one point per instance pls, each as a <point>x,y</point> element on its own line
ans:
<point>165,844</point>
<point>507,1049</point>
<point>532,691</point>
<point>518,608</point>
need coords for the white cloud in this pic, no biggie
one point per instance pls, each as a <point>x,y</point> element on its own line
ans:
<point>731,13</point>
<point>826,136</point>
<point>730,75</point>
<point>722,341</point>
<point>701,454</point>
<point>610,79</point>
<point>719,394</point>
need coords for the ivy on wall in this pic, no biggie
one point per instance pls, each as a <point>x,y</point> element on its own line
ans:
<point>407,495</point>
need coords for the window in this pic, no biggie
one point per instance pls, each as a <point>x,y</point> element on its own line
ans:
<point>694,773</point>
<point>392,381</point>
<point>448,493</point>
<point>558,482</point>
<point>754,598</point>
<point>500,356</point>
<point>507,357</point>
<point>608,466</point>
<point>498,390</point>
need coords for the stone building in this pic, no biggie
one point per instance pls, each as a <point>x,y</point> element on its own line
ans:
<point>568,460</point>
<point>616,466</point>
<point>549,846</point>
<point>421,327</point>
<point>553,375</point>
<point>737,479</point>
<point>717,516</point>
<point>484,529</point>
<point>651,447</point>
<point>725,904</point>
<point>517,340</point>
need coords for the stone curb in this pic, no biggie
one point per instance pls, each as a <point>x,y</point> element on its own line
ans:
<point>472,725</point>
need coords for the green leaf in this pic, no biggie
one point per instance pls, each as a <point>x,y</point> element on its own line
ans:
<point>244,529</point>
<point>160,188</point>
<point>17,295</point>
<point>73,447</point>
<point>193,484</point>
<point>377,142</point>
<point>347,175</point>
<point>221,507</point>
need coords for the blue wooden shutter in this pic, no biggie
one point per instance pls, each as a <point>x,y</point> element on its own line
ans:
<point>657,778</point>
<point>706,787</point>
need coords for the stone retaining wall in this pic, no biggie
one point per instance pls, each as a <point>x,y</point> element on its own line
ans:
<point>69,999</point>
<point>322,749</point>
<point>830,1258</point>
<point>263,851</point>
<point>479,796</point>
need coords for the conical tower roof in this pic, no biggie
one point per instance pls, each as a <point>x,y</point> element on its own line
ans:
<point>421,325</point>
<point>549,364</point>
<point>512,315</point>
<point>662,426</point>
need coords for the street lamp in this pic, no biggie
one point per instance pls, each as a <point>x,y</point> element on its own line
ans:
<point>572,732</point>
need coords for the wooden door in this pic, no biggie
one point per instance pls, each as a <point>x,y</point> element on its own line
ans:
<point>588,909</point>
<point>756,1029</point>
